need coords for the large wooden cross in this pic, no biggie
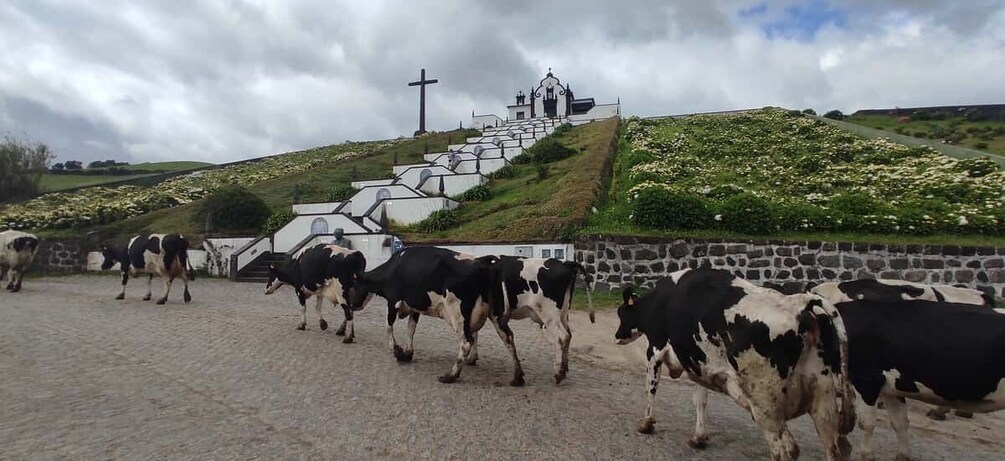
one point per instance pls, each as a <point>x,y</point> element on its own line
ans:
<point>422,99</point>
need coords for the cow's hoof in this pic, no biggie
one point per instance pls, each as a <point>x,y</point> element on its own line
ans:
<point>402,356</point>
<point>348,339</point>
<point>162,301</point>
<point>937,414</point>
<point>964,414</point>
<point>646,426</point>
<point>559,377</point>
<point>323,324</point>
<point>517,381</point>
<point>698,442</point>
<point>16,289</point>
<point>146,298</point>
<point>448,378</point>
<point>188,298</point>
<point>302,326</point>
<point>340,331</point>
<point>471,361</point>
<point>10,287</point>
<point>121,296</point>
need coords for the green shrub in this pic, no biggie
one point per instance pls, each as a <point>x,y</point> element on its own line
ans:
<point>277,220</point>
<point>562,129</point>
<point>977,167</point>
<point>478,193</point>
<point>439,220</point>
<point>724,191</point>
<point>660,208</point>
<point>857,204</point>
<point>809,112</point>
<point>506,172</point>
<point>549,150</point>
<point>802,217</point>
<point>981,145</point>
<point>746,213</point>
<point>233,208</point>
<point>340,193</point>
<point>522,159</point>
<point>542,172</point>
<point>920,134</point>
<point>834,114</point>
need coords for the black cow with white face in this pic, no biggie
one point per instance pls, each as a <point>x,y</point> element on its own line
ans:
<point>777,356</point>
<point>441,283</point>
<point>326,271</point>
<point>161,255</point>
<point>945,354</point>
<point>17,251</point>
<point>541,289</point>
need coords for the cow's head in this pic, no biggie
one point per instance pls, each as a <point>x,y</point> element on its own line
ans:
<point>362,290</point>
<point>350,269</point>
<point>110,257</point>
<point>630,317</point>
<point>279,275</point>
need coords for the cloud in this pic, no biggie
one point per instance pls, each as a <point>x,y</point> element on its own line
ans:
<point>221,80</point>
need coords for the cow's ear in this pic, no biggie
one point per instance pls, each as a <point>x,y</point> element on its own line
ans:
<point>104,247</point>
<point>629,297</point>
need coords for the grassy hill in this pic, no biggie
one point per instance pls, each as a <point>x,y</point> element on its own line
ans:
<point>777,174</point>
<point>986,136</point>
<point>277,193</point>
<point>530,206</point>
<point>57,182</point>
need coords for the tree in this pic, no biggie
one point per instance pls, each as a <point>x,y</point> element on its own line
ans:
<point>809,112</point>
<point>58,167</point>
<point>834,114</point>
<point>74,165</point>
<point>233,208</point>
<point>22,164</point>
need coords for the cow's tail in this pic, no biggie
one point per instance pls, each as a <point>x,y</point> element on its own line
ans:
<point>589,287</point>
<point>186,264</point>
<point>825,319</point>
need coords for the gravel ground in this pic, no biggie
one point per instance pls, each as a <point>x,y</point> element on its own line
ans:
<point>85,376</point>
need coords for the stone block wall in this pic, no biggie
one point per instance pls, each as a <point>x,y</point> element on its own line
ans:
<point>61,255</point>
<point>641,261</point>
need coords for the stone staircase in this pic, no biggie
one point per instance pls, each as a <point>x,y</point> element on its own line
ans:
<point>258,270</point>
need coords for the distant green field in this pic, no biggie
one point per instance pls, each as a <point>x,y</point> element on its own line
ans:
<point>58,182</point>
<point>985,136</point>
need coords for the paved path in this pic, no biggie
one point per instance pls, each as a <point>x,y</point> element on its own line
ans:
<point>85,376</point>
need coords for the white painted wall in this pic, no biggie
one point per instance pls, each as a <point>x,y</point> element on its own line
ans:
<point>365,198</point>
<point>399,169</point>
<point>536,250</point>
<point>454,184</point>
<point>479,122</point>
<point>411,178</point>
<point>487,165</point>
<point>444,159</point>
<point>525,108</point>
<point>598,112</point>
<point>375,182</point>
<point>320,207</point>
<point>218,251</point>
<point>411,211</point>
<point>291,234</point>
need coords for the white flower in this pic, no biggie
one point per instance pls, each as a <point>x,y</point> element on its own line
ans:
<point>963,221</point>
<point>718,217</point>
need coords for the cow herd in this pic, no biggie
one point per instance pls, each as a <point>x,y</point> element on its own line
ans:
<point>838,353</point>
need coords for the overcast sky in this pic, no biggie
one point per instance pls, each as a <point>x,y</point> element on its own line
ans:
<point>220,80</point>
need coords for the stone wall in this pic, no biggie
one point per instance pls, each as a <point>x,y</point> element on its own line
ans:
<point>61,255</point>
<point>641,261</point>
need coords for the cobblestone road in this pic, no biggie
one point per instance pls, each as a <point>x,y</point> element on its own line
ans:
<point>85,376</point>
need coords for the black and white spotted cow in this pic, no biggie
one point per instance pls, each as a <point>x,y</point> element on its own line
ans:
<point>541,289</point>
<point>326,271</point>
<point>777,356</point>
<point>897,290</point>
<point>440,283</point>
<point>17,251</point>
<point>160,255</point>
<point>945,354</point>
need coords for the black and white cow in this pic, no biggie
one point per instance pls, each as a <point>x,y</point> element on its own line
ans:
<point>945,354</point>
<point>899,290</point>
<point>777,356</point>
<point>326,271</point>
<point>17,251</point>
<point>541,289</point>
<point>441,283</point>
<point>161,255</point>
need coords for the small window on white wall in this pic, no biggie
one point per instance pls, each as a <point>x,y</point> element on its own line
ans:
<point>519,115</point>
<point>546,253</point>
<point>559,253</point>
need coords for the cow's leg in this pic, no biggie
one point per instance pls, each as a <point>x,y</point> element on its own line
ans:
<point>866,415</point>
<point>506,334</point>
<point>648,423</point>
<point>150,281</point>
<point>303,314</point>
<point>896,408</point>
<point>472,357</point>
<point>4,270</point>
<point>341,328</point>
<point>399,353</point>
<point>15,280</point>
<point>347,326</point>
<point>964,414</point>
<point>826,418</point>
<point>125,278</point>
<point>459,322</point>
<point>700,438</point>
<point>409,351</point>
<point>167,288</point>
<point>322,323</point>
<point>781,444</point>
<point>187,296</point>
<point>562,339</point>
